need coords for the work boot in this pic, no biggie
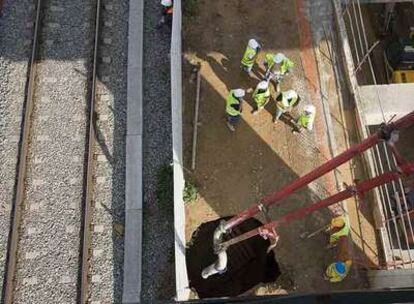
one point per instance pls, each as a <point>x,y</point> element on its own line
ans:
<point>231,127</point>
<point>256,111</point>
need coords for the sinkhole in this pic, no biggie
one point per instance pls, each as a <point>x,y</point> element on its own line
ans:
<point>248,262</point>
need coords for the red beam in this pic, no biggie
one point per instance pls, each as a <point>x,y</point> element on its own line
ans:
<point>300,213</point>
<point>277,197</point>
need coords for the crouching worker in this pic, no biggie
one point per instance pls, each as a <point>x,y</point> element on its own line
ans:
<point>234,108</point>
<point>338,270</point>
<point>339,227</point>
<point>305,120</point>
<point>167,11</point>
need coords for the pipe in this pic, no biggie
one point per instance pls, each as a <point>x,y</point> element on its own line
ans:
<point>383,133</point>
<point>220,266</point>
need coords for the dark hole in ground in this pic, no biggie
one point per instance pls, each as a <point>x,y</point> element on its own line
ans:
<point>248,262</point>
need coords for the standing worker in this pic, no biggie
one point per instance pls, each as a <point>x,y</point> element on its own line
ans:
<point>305,120</point>
<point>167,11</point>
<point>277,67</point>
<point>338,270</point>
<point>285,101</point>
<point>261,96</point>
<point>250,55</point>
<point>234,108</point>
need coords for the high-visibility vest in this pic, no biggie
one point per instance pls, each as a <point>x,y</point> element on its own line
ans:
<point>231,100</point>
<point>270,61</point>
<point>286,65</point>
<point>249,56</point>
<point>306,120</point>
<point>261,98</point>
<point>344,231</point>
<point>285,104</point>
<point>334,276</point>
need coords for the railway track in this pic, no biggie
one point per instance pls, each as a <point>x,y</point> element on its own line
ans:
<point>50,235</point>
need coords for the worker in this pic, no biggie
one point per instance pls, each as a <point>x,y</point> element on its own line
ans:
<point>305,120</point>
<point>167,11</point>
<point>285,101</point>
<point>277,67</point>
<point>261,96</point>
<point>339,227</point>
<point>234,108</point>
<point>250,55</point>
<point>339,269</point>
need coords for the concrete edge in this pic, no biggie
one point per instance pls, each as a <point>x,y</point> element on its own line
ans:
<point>181,277</point>
<point>131,292</point>
<point>353,87</point>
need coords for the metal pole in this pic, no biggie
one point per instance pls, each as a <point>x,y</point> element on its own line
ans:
<point>300,213</point>
<point>277,197</point>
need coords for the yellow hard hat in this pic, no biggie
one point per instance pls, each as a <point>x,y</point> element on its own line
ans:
<point>338,222</point>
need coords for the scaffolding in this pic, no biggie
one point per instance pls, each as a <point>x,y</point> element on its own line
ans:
<point>395,210</point>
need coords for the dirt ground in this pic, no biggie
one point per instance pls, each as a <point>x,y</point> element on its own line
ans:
<point>234,170</point>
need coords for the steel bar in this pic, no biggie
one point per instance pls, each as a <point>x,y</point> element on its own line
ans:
<point>8,285</point>
<point>394,188</point>
<point>300,213</point>
<point>87,212</point>
<point>277,197</point>
<point>386,201</point>
<point>195,124</point>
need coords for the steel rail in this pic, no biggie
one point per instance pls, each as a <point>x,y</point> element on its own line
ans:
<point>16,214</point>
<point>87,212</point>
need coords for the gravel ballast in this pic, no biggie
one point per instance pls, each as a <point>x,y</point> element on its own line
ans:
<point>158,230</point>
<point>109,175</point>
<point>48,256</point>
<point>15,32</point>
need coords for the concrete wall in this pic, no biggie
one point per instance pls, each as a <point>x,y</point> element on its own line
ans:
<point>133,190</point>
<point>395,99</point>
<point>181,278</point>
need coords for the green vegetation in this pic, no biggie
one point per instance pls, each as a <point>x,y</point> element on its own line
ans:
<point>190,193</point>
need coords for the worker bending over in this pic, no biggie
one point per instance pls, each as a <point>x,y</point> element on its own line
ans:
<point>305,120</point>
<point>250,55</point>
<point>261,96</point>
<point>167,11</point>
<point>338,270</point>
<point>277,67</point>
<point>285,101</point>
<point>234,108</point>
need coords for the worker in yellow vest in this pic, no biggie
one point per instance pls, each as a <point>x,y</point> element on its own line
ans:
<point>306,119</point>
<point>250,55</point>
<point>338,270</point>
<point>234,108</point>
<point>339,227</point>
<point>277,67</point>
<point>261,96</point>
<point>285,101</point>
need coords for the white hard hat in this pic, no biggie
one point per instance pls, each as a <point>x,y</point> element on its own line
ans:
<point>279,57</point>
<point>291,94</point>
<point>263,85</point>
<point>253,43</point>
<point>239,93</point>
<point>166,2</point>
<point>310,109</point>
